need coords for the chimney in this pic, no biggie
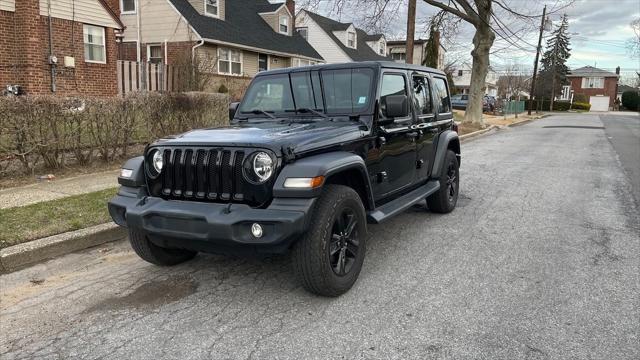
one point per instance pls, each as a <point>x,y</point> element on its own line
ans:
<point>291,5</point>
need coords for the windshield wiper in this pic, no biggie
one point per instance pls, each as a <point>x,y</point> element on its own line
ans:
<point>260,111</point>
<point>309,110</point>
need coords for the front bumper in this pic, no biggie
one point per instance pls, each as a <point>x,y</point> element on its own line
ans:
<point>210,227</point>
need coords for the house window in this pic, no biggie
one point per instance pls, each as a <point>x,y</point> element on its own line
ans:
<point>382,48</point>
<point>304,32</point>
<point>154,54</point>
<point>263,62</point>
<point>459,72</point>
<point>302,62</point>
<point>284,24</point>
<point>399,56</point>
<point>229,61</point>
<point>128,6</point>
<point>94,48</point>
<point>211,7</point>
<point>351,40</point>
<point>593,82</point>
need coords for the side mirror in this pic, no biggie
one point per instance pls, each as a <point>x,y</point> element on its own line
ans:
<point>395,106</point>
<point>232,109</point>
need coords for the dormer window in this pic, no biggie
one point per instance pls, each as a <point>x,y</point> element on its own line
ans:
<point>382,48</point>
<point>284,25</point>
<point>211,8</point>
<point>351,40</point>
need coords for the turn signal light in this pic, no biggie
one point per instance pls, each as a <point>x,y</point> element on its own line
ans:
<point>304,183</point>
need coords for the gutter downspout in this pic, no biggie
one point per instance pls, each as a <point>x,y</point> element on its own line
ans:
<point>138,10</point>
<point>51,64</point>
<point>193,59</point>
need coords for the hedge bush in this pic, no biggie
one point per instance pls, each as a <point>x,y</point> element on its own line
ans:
<point>54,132</point>
<point>631,100</point>
<point>545,105</point>
<point>581,106</point>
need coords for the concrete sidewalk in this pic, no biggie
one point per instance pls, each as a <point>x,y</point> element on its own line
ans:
<point>55,189</point>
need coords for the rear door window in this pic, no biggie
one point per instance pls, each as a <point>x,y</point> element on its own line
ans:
<point>441,95</point>
<point>422,95</point>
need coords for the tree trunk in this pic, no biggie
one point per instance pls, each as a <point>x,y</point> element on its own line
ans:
<point>482,42</point>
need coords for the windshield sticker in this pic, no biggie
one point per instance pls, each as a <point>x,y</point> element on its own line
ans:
<point>362,100</point>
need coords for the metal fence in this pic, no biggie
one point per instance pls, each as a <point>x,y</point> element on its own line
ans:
<point>145,76</point>
<point>513,107</point>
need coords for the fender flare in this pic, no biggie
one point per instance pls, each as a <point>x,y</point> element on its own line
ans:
<point>136,165</point>
<point>448,139</point>
<point>321,165</point>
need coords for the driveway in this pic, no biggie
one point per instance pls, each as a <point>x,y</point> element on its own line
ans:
<point>540,260</point>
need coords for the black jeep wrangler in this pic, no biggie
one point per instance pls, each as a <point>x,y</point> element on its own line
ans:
<point>311,156</point>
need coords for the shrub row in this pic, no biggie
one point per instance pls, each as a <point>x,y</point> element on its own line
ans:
<point>545,105</point>
<point>53,132</point>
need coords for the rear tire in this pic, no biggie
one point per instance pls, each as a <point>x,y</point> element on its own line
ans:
<point>329,257</point>
<point>445,199</point>
<point>155,254</point>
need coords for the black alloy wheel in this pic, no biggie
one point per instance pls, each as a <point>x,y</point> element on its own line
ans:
<point>452,184</point>
<point>343,250</point>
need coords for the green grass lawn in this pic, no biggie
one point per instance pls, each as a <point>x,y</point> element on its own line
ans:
<point>21,224</point>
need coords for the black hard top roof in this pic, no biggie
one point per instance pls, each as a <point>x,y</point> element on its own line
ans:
<point>358,64</point>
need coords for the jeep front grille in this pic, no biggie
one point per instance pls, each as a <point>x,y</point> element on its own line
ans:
<point>201,174</point>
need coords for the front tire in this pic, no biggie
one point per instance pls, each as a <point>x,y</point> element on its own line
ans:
<point>155,254</point>
<point>329,257</point>
<point>445,199</point>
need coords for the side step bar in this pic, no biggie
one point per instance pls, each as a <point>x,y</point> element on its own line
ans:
<point>402,203</point>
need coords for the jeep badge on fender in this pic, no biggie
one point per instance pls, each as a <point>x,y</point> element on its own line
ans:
<point>311,155</point>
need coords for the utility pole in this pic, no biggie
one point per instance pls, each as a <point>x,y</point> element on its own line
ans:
<point>553,77</point>
<point>535,65</point>
<point>411,29</point>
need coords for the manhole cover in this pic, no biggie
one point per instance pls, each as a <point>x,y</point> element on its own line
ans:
<point>574,127</point>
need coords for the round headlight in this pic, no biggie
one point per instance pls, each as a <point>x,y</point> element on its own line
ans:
<point>157,161</point>
<point>262,166</point>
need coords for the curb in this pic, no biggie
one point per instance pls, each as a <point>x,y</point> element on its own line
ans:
<point>476,134</point>
<point>23,255</point>
<point>527,120</point>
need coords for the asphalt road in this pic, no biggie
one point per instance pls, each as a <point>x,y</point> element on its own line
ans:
<point>541,259</point>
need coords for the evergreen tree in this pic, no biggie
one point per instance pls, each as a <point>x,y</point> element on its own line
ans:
<point>554,70</point>
<point>431,49</point>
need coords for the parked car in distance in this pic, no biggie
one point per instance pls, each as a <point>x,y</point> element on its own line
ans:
<point>459,101</point>
<point>311,156</point>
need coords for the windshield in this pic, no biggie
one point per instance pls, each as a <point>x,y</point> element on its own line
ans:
<point>342,91</point>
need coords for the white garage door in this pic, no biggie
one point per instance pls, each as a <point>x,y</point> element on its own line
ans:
<point>599,103</point>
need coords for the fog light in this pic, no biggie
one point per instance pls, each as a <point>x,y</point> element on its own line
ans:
<point>256,230</point>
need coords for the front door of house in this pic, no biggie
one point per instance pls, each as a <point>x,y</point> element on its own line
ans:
<point>263,62</point>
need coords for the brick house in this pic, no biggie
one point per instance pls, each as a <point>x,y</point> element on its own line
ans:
<point>80,59</point>
<point>599,86</point>
<point>232,40</point>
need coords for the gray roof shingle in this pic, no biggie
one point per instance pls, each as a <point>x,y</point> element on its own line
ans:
<point>591,71</point>
<point>244,26</point>
<point>363,51</point>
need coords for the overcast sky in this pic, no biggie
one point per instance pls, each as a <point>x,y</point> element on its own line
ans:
<point>599,30</point>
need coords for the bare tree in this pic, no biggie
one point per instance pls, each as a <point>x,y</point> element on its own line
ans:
<point>509,20</point>
<point>633,44</point>
<point>513,82</point>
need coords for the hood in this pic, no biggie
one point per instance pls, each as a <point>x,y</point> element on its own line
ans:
<point>295,137</point>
